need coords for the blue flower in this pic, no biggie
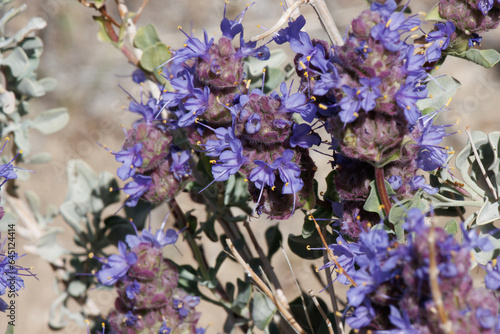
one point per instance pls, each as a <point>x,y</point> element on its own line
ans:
<point>369,92</point>
<point>362,316</point>
<point>418,182</point>
<point>401,321</point>
<point>130,319</point>
<point>130,158</point>
<point>492,278</point>
<point>116,266</point>
<point>247,49</point>
<point>138,76</point>
<point>252,124</point>
<point>395,181</point>
<point>186,304</point>
<point>194,48</point>
<point>289,173</point>
<point>475,40</point>
<point>136,188</point>
<point>164,329</point>
<point>195,105</point>
<point>132,290</point>
<point>350,104</point>
<point>485,317</point>
<point>485,6</point>
<point>230,161</point>
<point>296,102</point>
<point>148,111</point>
<point>407,97</point>
<point>213,148</point>
<point>291,32</point>
<point>231,28</point>
<point>302,137</point>
<point>180,164</point>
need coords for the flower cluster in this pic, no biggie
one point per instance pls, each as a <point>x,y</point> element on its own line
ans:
<point>240,130</point>
<point>393,290</point>
<point>149,300</point>
<point>367,92</point>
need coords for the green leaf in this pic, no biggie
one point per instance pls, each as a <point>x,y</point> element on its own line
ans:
<point>77,289</point>
<point>263,310</point>
<point>451,227</point>
<point>10,329</point>
<point>17,61</point>
<point>486,58</point>
<point>433,15</point>
<point>209,228</point>
<point>154,56</point>
<point>440,91</point>
<point>102,34</point>
<point>297,308</point>
<point>50,121</point>
<point>243,297</point>
<point>47,246</point>
<point>373,202</point>
<point>146,36</point>
<point>119,228</point>
<point>488,213</point>
<point>39,158</point>
<point>273,240</point>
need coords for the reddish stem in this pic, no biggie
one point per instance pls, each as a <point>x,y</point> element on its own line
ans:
<point>382,191</point>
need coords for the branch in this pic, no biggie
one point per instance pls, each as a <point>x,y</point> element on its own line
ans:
<point>284,312</point>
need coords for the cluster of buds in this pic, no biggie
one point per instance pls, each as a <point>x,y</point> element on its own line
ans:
<point>149,300</point>
<point>367,92</point>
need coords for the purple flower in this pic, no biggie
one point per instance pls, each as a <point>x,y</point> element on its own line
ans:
<point>475,40</point>
<point>186,304</point>
<point>230,161</point>
<point>194,48</point>
<point>231,28</point>
<point>430,158</point>
<point>369,92</point>
<point>130,319</point>
<point>472,240</point>
<point>148,111</point>
<point>116,266</point>
<point>362,316</point>
<point>327,81</point>
<point>492,278</point>
<point>213,148</point>
<point>395,181</point>
<point>180,164</point>
<point>136,188</point>
<point>263,174</point>
<point>164,329</point>
<point>485,6</point>
<point>289,173</point>
<point>485,317</point>
<point>350,104</point>
<point>385,10</point>
<point>302,137</point>
<point>418,182</point>
<point>130,158</point>
<point>195,105</point>
<point>401,321</point>
<point>290,32</point>
<point>296,102</point>
<point>407,97</point>
<point>138,76</point>
<point>132,290</point>
<point>247,49</point>
<point>253,125</point>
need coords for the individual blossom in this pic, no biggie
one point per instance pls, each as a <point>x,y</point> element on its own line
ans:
<point>116,266</point>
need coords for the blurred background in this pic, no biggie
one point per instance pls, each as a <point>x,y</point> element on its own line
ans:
<point>89,73</point>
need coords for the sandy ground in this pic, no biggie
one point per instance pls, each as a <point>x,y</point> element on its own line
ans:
<point>89,73</point>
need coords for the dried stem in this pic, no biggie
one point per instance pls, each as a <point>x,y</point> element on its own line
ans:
<point>265,289</point>
<point>330,253</point>
<point>327,21</point>
<point>478,160</point>
<point>267,266</point>
<point>446,325</point>
<point>382,191</point>
<point>282,20</point>
<point>139,11</point>
<point>318,306</point>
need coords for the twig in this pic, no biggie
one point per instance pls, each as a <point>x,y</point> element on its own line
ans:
<point>139,11</point>
<point>267,266</point>
<point>101,10</point>
<point>284,312</point>
<point>298,288</point>
<point>318,306</point>
<point>330,253</point>
<point>478,160</point>
<point>296,13</point>
<point>446,325</point>
<point>321,10</point>
<point>282,20</point>
<point>327,21</point>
